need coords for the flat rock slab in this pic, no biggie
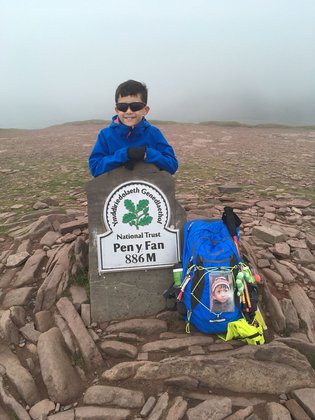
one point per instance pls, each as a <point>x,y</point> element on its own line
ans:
<point>80,223</point>
<point>64,415</point>
<point>122,370</point>
<point>214,409</point>
<point>291,318</point>
<point>296,410</point>
<point>238,371</point>
<point>43,321</point>
<point>304,308</point>
<point>42,408</point>
<point>267,234</point>
<point>19,376</point>
<point>17,297</point>
<point>60,377</point>
<point>8,329</point>
<point>277,411</point>
<point>272,275</point>
<point>185,382</point>
<point>150,403</point>
<point>295,243</point>
<point>78,294</point>
<point>305,397</point>
<point>177,409</point>
<point>303,256</point>
<point>7,277</point>
<point>16,260</point>
<point>229,188</point>
<point>86,314</point>
<point>302,345</point>
<point>3,414</point>
<point>28,331</point>
<point>286,275</point>
<point>90,353</point>
<point>39,205</point>
<point>176,344</point>
<point>241,414</point>
<point>277,317</point>
<point>113,396</point>
<point>220,347</point>
<point>57,278</point>
<point>236,401</point>
<point>310,240</point>
<point>160,407</point>
<point>36,230</point>
<point>281,250</point>
<point>299,203</point>
<point>30,269</point>
<point>119,349</point>
<point>67,238</point>
<point>92,413</point>
<point>147,326</point>
<point>49,238</point>
<point>18,315</point>
<point>310,274</point>
<point>10,402</point>
<point>101,413</point>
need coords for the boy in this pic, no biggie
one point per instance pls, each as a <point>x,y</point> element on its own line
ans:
<point>221,296</point>
<point>130,138</point>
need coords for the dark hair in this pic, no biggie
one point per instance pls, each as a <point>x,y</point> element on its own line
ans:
<point>132,88</point>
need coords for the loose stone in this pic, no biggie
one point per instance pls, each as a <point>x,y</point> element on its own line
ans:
<point>114,396</point>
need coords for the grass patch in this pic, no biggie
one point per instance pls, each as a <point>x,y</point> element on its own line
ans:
<point>81,278</point>
<point>287,332</point>
<point>306,193</point>
<point>83,122</point>
<point>224,123</point>
<point>4,229</point>
<point>66,293</point>
<point>77,360</point>
<point>42,179</point>
<point>311,359</point>
<point>303,325</point>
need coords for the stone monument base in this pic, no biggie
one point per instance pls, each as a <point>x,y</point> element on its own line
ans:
<point>122,295</point>
<point>133,292</point>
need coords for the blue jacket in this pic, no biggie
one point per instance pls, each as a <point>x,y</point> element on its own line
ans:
<point>110,149</point>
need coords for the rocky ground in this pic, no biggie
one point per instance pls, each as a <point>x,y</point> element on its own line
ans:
<point>56,363</point>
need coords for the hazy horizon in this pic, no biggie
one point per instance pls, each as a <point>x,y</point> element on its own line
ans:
<point>247,61</point>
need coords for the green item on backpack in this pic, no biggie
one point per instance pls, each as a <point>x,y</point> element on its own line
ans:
<point>177,274</point>
<point>243,331</point>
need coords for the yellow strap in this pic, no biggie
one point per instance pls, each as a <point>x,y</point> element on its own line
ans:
<point>188,322</point>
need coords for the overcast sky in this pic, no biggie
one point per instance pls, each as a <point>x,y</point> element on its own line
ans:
<point>241,60</point>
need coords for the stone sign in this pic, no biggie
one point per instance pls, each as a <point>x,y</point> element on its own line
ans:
<point>135,227</point>
<point>138,236</point>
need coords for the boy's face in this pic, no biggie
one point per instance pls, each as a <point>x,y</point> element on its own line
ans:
<point>130,117</point>
<point>221,293</point>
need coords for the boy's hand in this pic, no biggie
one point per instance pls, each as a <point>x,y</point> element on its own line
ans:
<point>136,153</point>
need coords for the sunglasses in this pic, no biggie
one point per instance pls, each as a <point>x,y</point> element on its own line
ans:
<point>134,106</point>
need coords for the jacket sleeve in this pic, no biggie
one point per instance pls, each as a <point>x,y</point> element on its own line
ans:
<point>101,161</point>
<point>162,154</point>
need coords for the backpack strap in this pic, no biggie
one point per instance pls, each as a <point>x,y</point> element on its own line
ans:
<point>188,322</point>
<point>197,283</point>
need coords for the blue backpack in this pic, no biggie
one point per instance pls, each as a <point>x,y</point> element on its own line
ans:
<point>211,261</point>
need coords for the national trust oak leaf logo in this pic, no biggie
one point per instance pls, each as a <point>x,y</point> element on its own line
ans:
<point>138,215</point>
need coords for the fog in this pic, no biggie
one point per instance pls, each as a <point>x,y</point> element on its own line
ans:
<point>249,61</point>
